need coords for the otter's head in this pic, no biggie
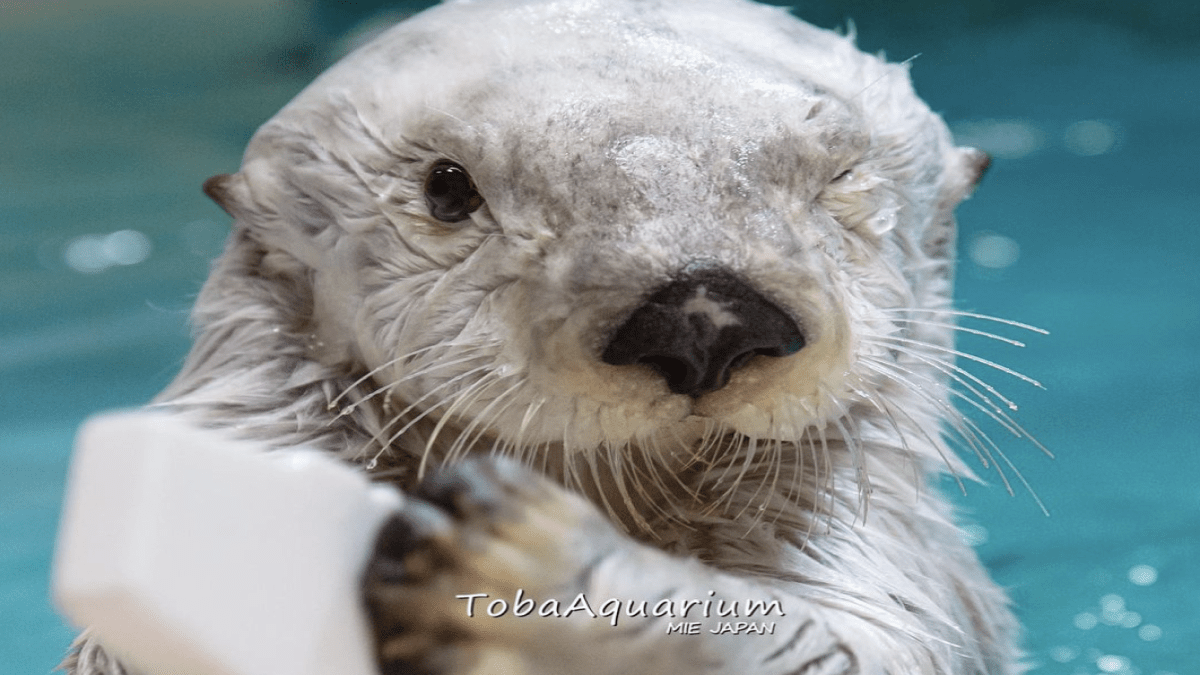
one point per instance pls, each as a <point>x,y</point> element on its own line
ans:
<point>581,225</point>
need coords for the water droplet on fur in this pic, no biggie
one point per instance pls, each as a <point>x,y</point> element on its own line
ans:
<point>372,464</point>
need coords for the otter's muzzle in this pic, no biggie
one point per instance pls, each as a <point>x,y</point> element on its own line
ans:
<point>697,330</point>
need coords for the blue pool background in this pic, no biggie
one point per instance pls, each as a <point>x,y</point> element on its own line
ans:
<point>112,114</point>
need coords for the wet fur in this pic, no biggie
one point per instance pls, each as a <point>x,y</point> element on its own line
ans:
<point>638,141</point>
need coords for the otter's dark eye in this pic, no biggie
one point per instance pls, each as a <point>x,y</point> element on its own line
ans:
<point>451,193</point>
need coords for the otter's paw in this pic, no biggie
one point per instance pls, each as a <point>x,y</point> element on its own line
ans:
<point>486,531</point>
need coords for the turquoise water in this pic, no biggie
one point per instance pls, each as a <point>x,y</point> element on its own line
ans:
<point>112,115</point>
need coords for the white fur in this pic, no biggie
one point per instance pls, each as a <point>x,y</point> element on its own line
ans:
<point>618,143</point>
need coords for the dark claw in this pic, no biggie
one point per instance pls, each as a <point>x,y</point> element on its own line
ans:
<point>470,491</point>
<point>405,668</point>
<point>396,539</point>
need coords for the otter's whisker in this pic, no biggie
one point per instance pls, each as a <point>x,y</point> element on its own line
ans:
<point>991,446</point>
<point>822,478</point>
<point>961,354</point>
<point>851,437</point>
<point>519,445</point>
<point>411,422</point>
<point>963,329</point>
<point>775,464</point>
<point>642,475</point>
<point>1005,421</point>
<point>531,411</point>
<point>435,365</point>
<point>484,420</point>
<point>795,485</point>
<point>387,389</point>
<point>594,471</point>
<point>952,370</point>
<point>570,469</point>
<point>886,410</point>
<point>333,403</point>
<point>620,470</point>
<point>994,411</point>
<point>752,453</point>
<point>463,399</point>
<point>827,489</point>
<point>786,492</point>
<point>951,415</point>
<point>657,458</point>
<point>703,452</point>
<point>750,469</point>
<point>970,315</point>
<point>655,481</point>
<point>545,449</point>
<point>384,445</point>
<point>745,451</point>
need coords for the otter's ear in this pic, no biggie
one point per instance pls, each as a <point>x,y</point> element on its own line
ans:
<point>229,192</point>
<point>253,210</point>
<point>972,164</point>
<point>964,169</point>
<point>976,163</point>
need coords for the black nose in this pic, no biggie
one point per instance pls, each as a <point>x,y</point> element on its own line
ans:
<point>695,331</point>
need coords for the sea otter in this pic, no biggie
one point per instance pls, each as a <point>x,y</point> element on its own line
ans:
<point>642,301</point>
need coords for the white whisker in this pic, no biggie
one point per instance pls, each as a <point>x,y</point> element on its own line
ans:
<point>377,436</point>
<point>463,399</point>
<point>483,421</point>
<point>845,424</point>
<point>994,411</point>
<point>333,403</point>
<point>963,329</point>
<point>955,372</point>
<point>950,414</point>
<point>970,432</point>
<point>888,411</point>
<point>966,355</point>
<point>618,467</point>
<point>970,315</point>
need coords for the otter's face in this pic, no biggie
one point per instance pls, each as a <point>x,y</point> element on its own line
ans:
<point>561,224</point>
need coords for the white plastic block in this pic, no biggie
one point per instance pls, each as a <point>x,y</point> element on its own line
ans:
<point>186,551</point>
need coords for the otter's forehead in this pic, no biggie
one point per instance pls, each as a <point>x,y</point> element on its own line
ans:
<point>605,113</point>
<point>536,83</point>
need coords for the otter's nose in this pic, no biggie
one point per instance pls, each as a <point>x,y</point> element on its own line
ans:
<point>695,331</point>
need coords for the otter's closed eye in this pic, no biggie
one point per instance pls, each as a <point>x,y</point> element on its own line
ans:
<point>450,193</point>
